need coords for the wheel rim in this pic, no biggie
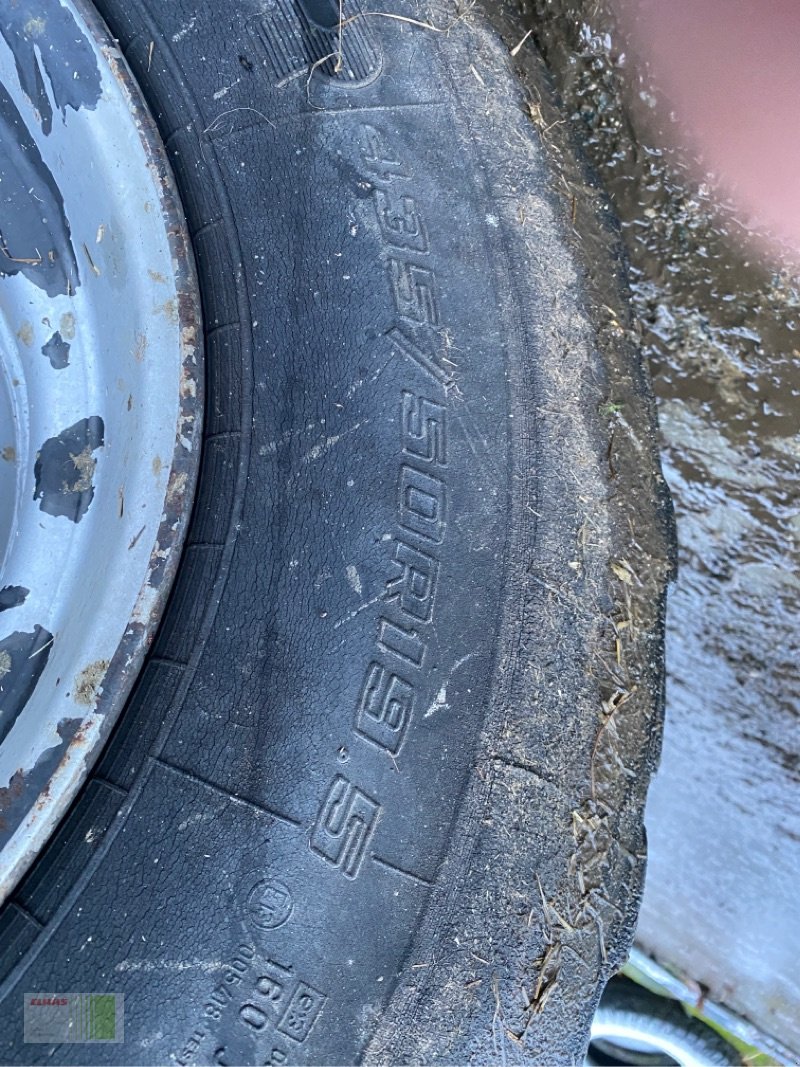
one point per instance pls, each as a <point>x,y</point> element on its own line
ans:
<point>624,1038</point>
<point>100,403</point>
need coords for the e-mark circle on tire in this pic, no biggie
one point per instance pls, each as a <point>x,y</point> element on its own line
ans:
<point>377,795</point>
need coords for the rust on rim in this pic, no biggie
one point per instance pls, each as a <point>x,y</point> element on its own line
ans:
<point>101,399</point>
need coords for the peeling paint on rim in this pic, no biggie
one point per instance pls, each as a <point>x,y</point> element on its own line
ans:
<point>101,398</point>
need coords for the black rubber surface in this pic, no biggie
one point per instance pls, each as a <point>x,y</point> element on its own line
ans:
<point>378,794</point>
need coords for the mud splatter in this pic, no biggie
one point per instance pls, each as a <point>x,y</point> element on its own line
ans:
<point>89,683</point>
<point>25,334</point>
<point>67,326</point>
<point>140,347</point>
<point>65,467</point>
<point>57,351</point>
<point>23,657</point>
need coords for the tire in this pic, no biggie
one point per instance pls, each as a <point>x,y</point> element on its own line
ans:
<point>662,1032</point>
<point>378,794</point>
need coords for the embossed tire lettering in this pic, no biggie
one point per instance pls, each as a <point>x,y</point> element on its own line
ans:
<point>377,796</point>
